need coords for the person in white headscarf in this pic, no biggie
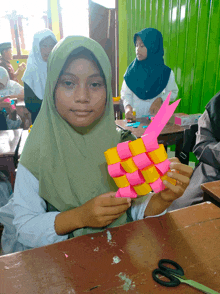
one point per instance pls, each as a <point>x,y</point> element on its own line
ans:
<point>35,75</point>
<point>9,89</point>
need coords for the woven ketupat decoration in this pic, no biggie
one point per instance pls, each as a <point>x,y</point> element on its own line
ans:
<point>140,166</point>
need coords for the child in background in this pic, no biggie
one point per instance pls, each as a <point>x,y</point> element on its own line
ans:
<point>35,75</point>
<point>62,187</point>
<point>9,89</point>
<point>147,81</point>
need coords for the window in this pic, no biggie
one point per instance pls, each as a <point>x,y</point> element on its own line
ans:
<point>19,20</point>
<point>75,17</point>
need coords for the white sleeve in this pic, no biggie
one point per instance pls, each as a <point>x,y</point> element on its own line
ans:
<point>16,89</point>
<point>139,205</point>
<point>126,95</point>
<point>34,226</point>
<point>171,86</point>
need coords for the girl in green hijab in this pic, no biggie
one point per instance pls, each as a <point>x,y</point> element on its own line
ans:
<point>62,186</point>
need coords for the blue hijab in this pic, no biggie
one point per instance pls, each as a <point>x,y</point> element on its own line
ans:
<point>149,77</point>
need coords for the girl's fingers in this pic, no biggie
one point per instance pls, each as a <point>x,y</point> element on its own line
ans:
<point>174,159</point>
<point>115,210</point>
<point>107,200</point>
<point>178,190</point>
<point>182,168</point>
<point>181,178</point>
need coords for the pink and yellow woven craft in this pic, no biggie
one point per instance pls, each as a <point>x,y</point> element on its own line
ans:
<point>140,166</point>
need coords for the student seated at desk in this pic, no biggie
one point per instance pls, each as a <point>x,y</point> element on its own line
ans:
<point>6,56</point>
<point>147,81</point>
<point>207,150</point>
<point>62,187</point>
<point>9,89</point>
<point>35,75</point>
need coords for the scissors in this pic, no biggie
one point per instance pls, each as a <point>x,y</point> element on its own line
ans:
<point>176,276</point>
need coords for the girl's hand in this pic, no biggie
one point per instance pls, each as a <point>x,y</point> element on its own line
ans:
<point>162,200</point>
<point>129,112</point>
<point>103,210</point>
<point>155,106</point>
<point>181,173</point>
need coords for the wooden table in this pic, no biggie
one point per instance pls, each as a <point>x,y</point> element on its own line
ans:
<point>117,110</point>
<point>9,141</point>
<point>190,236</point>
<point>24,136</point>
<point>171,134</point>
<point>212,192</point>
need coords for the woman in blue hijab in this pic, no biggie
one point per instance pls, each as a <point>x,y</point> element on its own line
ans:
<point>147,80</point>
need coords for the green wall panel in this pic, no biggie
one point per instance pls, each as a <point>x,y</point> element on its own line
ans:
<point>191,35</point>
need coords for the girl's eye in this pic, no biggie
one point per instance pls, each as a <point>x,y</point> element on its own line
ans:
<point>96,85</point>
<point>68,84</point>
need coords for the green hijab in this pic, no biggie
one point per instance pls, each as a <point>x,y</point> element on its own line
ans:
<point>71,168</point>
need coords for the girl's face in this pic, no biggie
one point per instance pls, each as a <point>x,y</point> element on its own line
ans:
<point>46,47</point>
<point>80,94</point>
<point>141,50</point>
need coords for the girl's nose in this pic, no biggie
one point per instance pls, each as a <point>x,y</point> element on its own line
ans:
<point>82,94</point>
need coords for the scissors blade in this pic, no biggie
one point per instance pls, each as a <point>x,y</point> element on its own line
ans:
<point>198,286</point>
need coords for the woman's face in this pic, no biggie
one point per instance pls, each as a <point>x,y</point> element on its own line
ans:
<point>80,94</point>
<point>7,54</point>
<point>46,47</point>
<point>141,50</point>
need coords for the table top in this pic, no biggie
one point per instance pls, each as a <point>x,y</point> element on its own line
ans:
<point>20,104</point>
<point>9,141</point>
<point>121,260</point>
<point>212,189</point>
<point>138,132</point>
<point>24,136</point>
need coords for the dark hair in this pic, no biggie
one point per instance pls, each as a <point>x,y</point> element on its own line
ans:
<point>83,52</point>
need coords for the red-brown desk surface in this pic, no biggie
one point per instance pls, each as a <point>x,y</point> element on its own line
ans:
<point>212,191</point>
<point>190,236</point>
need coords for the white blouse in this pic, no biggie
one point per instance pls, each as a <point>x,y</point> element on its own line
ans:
<point>142,107</point>
<point>29,225</point>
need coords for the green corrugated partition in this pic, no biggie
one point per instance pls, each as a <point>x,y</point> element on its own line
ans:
<point>191,34</point>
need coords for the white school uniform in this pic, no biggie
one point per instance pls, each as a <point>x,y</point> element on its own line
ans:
<point>29,224</point>
<point>141,106</point>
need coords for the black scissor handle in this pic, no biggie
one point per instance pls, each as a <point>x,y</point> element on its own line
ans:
<point>178,269</point>
<point>173,281</point>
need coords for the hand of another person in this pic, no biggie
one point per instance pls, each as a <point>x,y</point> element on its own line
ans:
<point>103,210</point>
<point>22,66</point>
<point>129,112</point>
<point>155,106</point>
<point>181,173</point>
<point>6,105</point>
<point>4,97</point>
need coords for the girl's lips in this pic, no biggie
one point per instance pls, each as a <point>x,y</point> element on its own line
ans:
<point>81,113</point>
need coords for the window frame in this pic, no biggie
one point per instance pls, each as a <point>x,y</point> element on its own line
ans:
<point>15,21</point>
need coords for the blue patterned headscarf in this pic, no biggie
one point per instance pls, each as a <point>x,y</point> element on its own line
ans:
<point>149,77</point>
